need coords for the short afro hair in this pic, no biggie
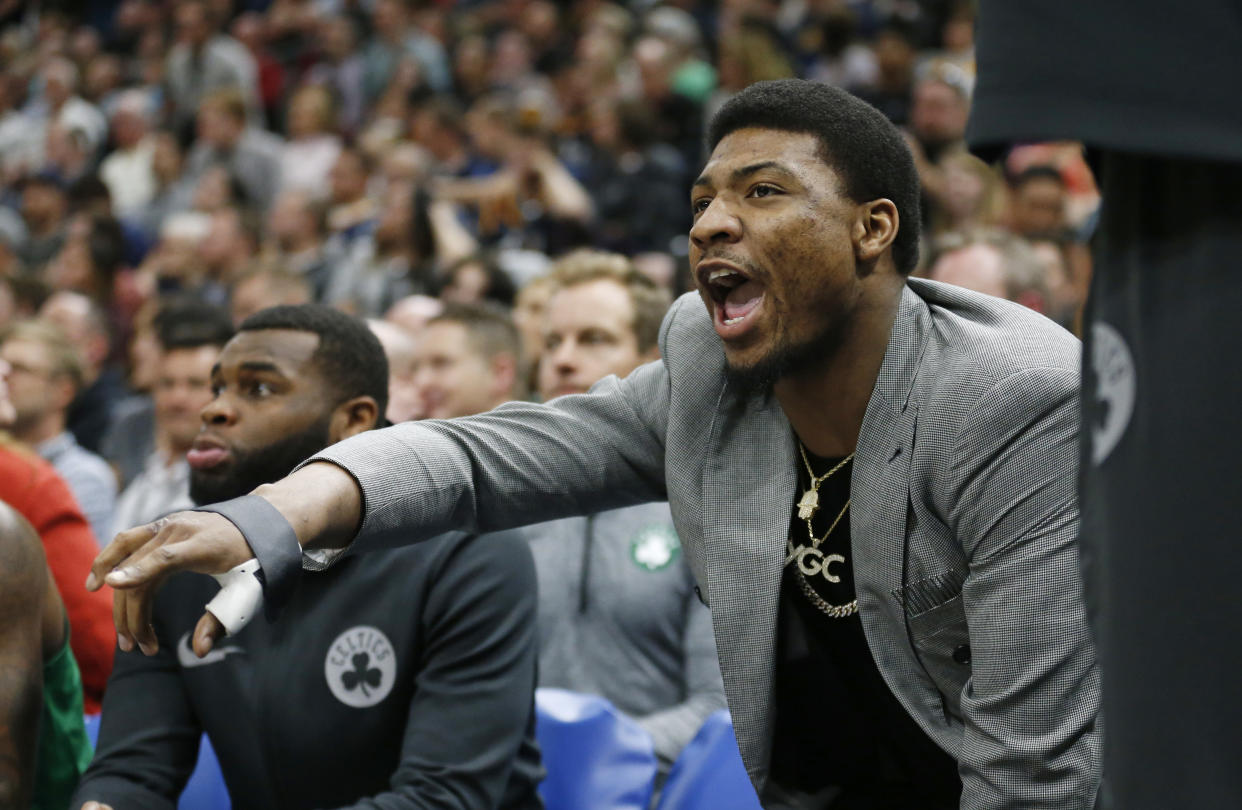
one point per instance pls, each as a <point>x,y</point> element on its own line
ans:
<point>349,357</point>
<point>856,140</point>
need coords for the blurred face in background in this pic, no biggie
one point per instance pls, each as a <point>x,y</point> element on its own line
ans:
<point>182,390</point>
<point>588,334</point>
<point>939,112</point>
<point>1038,207</point>
<point>453,377</point>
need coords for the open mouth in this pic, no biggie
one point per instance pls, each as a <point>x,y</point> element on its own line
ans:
<point>734,293</point>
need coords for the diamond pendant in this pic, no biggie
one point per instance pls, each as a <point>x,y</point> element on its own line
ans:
<point>808,505</point>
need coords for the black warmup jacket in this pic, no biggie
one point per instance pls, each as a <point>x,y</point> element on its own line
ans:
<point>397,679</point>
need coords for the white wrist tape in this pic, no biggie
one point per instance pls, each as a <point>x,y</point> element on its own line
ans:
<point>240,597</point>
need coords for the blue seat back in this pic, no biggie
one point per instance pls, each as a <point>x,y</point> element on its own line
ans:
<point>596,757</point>
<point>709,775</point>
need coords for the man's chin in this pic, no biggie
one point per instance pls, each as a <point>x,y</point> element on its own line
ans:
<point>213,487</point>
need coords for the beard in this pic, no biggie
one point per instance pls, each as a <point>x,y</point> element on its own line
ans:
<point>788,359</point>
<point>261,465</point>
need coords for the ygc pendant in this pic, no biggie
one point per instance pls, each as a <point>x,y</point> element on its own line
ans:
<point>808,505</point>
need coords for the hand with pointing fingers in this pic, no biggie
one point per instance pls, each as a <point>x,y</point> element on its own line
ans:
<point>138,561</point>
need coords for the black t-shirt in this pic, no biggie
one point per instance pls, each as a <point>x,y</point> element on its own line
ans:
<point>837,722</point>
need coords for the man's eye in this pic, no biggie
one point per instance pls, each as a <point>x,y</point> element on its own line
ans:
<point>700,205</point>
<point>764,190</point>
<point>217,390</point>
<point>260,389</point>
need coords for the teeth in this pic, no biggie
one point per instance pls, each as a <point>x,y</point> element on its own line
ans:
<point>731,321</point>
<point>716,275</point>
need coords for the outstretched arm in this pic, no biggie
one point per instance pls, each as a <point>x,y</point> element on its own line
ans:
<point>519,464</point>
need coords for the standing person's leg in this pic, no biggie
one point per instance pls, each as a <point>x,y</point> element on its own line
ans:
<point>1162,480</point>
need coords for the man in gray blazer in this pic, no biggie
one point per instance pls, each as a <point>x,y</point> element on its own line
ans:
<point>953,614</point>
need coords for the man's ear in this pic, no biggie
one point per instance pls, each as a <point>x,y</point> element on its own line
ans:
<point>874,230</point>
<point>352,417</point>
<point>504,375</point>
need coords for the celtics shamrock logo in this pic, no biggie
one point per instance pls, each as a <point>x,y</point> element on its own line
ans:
<point>655,547</point>
<point>360,667</point>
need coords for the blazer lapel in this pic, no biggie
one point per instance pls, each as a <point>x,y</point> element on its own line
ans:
<point>880,492</point>
<point>748,487</point>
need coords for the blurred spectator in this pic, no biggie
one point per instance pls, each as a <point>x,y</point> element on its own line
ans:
<point>12,238</point>
<point>231,243</point>
<point>532,300</point>
<point>394,41</point>
<point>467,362</point>
<point>941,105</point>
<point>205,61</point>
<point>352,213</point>
<point>842,60</point>
<point>129,170</point>
<point>172,191</point>
<point>250,154</point>
<point>190,342</point>
<point>84,323</point>
<point>32,487</point>
<point>266,285</point>
<point>296,239</point>
<point>1037,200</point>
<point>895,57</point>
<point>997,263</point>
<point>62,108</point>
<point>414,239</point>
<point>618,613</point>
<point>475,280</point>
<point>341,70</point>
<point>404,403</point>
<point>413,313</point>
<point>45,378</point>
<point>680,117</point>
<point>44,208</point>
<point>638,184</point>
<point>312,148</point>
<point>971,194</point>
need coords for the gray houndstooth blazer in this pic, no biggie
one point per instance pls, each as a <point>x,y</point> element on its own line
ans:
<point>963,525</point>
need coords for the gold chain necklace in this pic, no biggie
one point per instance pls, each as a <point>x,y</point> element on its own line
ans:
<point>807,507</point>
<point>809,503</point>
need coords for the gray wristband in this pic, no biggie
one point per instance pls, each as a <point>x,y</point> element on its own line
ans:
<point>273,542</point>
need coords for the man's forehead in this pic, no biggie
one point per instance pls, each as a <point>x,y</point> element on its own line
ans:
<point>288,349</point>
<point>610,301</point>
<point>752,146</point>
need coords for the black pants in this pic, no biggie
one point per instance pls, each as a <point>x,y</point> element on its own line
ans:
<point>1162,480</point>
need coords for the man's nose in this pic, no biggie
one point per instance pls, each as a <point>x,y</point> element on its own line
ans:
<point>717,223</point>
<point>218,412</point>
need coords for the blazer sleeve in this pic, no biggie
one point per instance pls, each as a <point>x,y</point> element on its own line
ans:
<point>521,463</point>
<point>1032,735</point>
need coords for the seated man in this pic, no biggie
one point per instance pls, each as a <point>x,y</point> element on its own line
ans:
<point>43,744</point>
<point>47,376</point>
<point>618,613</point>
<point>190,337</point>
<point>368,690</point>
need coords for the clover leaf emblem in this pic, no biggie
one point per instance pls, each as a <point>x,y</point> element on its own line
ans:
<point>362,674</point>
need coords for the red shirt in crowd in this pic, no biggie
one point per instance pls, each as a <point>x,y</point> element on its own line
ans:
<point>32,487</point>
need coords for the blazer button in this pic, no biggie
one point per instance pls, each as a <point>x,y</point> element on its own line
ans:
<point>962,654</point>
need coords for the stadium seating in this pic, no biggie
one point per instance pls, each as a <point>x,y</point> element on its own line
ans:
<point>596,758</point>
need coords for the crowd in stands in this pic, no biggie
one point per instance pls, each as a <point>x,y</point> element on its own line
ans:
<point>500,187</point>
